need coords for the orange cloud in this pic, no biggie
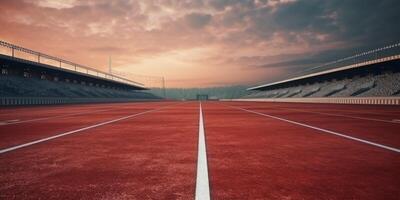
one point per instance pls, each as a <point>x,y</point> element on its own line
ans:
<point>195,43</point>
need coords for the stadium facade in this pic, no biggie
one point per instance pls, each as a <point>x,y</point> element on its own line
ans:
<point>371,77</point>
<point>30,77</point>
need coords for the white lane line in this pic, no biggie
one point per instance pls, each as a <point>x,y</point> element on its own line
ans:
<point>202,183</point>
<point>323,130</point>
<point>9,121</point>
<point>339,115</point>
<point>58,116</point>
<point>75,131</point>
<point>51,117</point>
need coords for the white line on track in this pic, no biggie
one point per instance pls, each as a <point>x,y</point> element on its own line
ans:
<point>75,131</point>
<point>8,122</point>
<point>323,130</point>
<point>340,115</point>
<point>202,183</point>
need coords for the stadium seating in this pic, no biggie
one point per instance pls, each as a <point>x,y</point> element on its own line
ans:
<point>293,92</point>
<point>385,84</point>
<point>310,90</point>
<point>15,86</point>
<point>334,88</point>
<point>357,86</point>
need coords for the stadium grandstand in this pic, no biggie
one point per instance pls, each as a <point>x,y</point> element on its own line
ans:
<point>30,77</point>
<point>368,77</point>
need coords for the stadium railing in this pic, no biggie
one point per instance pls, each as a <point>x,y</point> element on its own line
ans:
<point>384,54</point>
<point>387,53</point>
<point>37,57</point>
<point>339,100</point>
<point>15,101</point>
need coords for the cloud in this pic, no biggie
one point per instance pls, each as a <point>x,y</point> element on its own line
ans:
<point>197,20</point>
<point>108,49</point>
<point>249,40</point>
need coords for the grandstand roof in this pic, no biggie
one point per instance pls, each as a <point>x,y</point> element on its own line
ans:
<point>64,65</point>
<point>329,71</point>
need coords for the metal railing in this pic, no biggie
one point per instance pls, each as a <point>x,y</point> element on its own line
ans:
<point>364,57</point>
<point>384,54</point>
<point>387,53</point>
<point>42,58</point>
<point>17,101</point>
<point>334,100</point>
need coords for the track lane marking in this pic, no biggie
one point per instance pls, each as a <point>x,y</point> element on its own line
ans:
<point>384,113</point>
<point>202,182</point>
<point>322,130</point>
<point>340,115</point>
<point>52,109</point>
<point>77,130</point>
<point>57,116</point>
<point>51,117</point>
<point>8,121</point>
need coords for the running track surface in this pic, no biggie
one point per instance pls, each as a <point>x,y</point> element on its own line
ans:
<point>152,151</point>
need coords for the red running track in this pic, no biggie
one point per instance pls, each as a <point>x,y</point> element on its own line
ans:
<point>149,151</point>
<point>36,124</point>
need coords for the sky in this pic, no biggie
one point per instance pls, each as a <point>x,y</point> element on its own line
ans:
<point>201,43</point>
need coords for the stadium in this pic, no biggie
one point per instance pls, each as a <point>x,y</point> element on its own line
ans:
<point>323,126</point>
<point>368,76</point>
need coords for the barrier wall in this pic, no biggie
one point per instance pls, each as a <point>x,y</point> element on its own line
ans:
<point>341,100</point>
<point>14,101</point>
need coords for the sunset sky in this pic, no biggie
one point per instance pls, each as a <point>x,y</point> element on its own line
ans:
<point>201,43</point>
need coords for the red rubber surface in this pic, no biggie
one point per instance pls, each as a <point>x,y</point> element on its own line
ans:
<point>386,133</point>
<point>58,122</point>
<point>256,157</point>
<point>154,155</point>
<point>24,113</point>
<point>148,157</point>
